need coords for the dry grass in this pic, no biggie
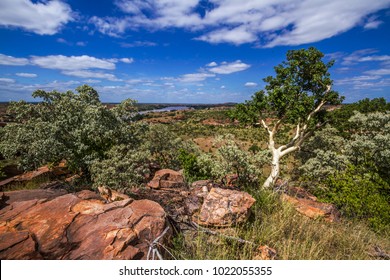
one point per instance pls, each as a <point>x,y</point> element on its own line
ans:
<point>295,237</point>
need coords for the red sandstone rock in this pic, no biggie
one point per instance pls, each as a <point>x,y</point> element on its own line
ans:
<point>223,208</point>
<point>166,178</point>
<point>311,208</point>
<point>79,226</point>
<point>58,170</point>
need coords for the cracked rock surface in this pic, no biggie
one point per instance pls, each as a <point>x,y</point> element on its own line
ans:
<point>49,224</point>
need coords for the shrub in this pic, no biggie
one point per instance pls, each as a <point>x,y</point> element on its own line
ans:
<point>122,168</point>
<point>361,195</point>
<point>193,169</point>
<point>76,127</point>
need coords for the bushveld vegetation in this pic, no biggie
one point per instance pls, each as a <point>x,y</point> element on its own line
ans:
<point>341,156</point>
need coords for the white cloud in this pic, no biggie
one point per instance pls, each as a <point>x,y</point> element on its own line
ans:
<point>62,62</point>
<point>236,36</point>
<point>13,61</point>
<point>356,56</point>
<point>365,81</point>
<point>212,64</point>
<point>91,74</point>
<point>372,23</point>
<point>92,81</point>
<point>380,72</point>
<point>43,17</point>
<point>228,68</point>
<point>62,41</point>
<point>7,80</point>
<point>111,26</point>
<point>357,79</point>
<point>126,60</point>
<point>27,75</point>
<point>267,23</point>
<point>81,44</point>
<point>196,77</point>
<point>375,58</point>
<point>138,44</point>
<point>251,84</point>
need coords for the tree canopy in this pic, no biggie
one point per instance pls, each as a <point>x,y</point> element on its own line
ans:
<point>295,95</point>
<point>75,127</point>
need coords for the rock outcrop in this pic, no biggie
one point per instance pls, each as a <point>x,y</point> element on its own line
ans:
<point>167,178</point>
<point>76,226</point>
<point>307,204</point>
<point>224,207</point>
<point>45,170</point>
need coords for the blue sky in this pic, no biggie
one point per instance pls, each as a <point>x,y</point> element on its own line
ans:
<point>187,51</point>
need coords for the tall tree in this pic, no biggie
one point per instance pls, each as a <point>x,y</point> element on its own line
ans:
<point>295,95</point>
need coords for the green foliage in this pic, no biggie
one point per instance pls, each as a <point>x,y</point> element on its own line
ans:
<point>337,117</point>
<point>193,170</point>
<point>323,155</point>
<point>76,127</point>
<point>352,172</point>
<point>361,195</point>
<point>122,168</point>
<point>230,158</point>
<point>164,146</point>
<point>300,85</point>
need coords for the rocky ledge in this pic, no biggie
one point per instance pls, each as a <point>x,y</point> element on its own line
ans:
<point>48,224</point>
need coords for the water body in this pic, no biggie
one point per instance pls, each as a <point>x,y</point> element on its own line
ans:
<point>167,109</point>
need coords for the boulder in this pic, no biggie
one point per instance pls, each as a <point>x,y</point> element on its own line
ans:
<point>224,208</point>
<point>167,178</point>
<point>198,192</point>
<point>308,205</point>
<point>78,226</point>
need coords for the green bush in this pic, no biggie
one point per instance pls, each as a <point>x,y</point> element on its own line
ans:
<point>193,170</point>
<point>76,127</point>
<point>122,168</point>
<point>361,195</point>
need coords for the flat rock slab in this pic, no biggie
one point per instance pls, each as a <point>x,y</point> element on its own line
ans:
<point>79,226</point>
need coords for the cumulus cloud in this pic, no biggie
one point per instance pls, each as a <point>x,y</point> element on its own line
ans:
<point>27,75</point>
<point>229,68</point>
<point>12,61</point>
<point>43,17</point>
<point>268,23</point>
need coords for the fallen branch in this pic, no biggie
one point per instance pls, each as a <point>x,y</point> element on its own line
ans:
<point>153,246</point>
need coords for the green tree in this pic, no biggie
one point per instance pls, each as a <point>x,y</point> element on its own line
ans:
<point>295,95</point>
<point>75,127</point>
